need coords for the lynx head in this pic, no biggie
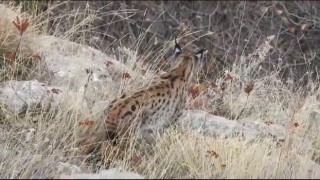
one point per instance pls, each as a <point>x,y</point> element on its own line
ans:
<point>188,60</point>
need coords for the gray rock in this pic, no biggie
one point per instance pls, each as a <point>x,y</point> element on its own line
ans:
<point>81,69</point>
<point>217,126</point>
<point>19,95</point>
<point>66,168</point>
<point>4,152</point>
<point>68,63</point>
<point>104,174</point>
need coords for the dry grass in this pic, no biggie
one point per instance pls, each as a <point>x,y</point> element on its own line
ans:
<point>178,153</point>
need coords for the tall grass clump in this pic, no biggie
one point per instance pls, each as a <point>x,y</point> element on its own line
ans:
<point>35,143</point>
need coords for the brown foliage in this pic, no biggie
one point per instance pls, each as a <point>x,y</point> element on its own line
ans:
<point>21,25</point>
<point>87,122</point>
<point>196,89</point>
<point>108,63</point>
<point>211,153</point>
<point>54,91</point>
<point>126,75</point>
<point>212,24</point>
<point>10,57</point>
<point>249,88</point>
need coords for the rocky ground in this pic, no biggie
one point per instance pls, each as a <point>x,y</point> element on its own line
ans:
<point>268,130</point>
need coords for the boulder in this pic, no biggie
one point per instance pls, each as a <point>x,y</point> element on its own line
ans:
<point>19,95</point>
<point>217,126</point>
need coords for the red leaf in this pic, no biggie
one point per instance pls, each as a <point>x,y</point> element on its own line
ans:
<point>108,63</point>
<point>126,76</point>
<point>196,89</point>
<point>249,88</point>
<point>10,57</point>
<point>213,85</point>
<point>55,91</point>
<point>198,103</point>
<point>21,25</point>
<point>229,76</point>
<point>87,122</point>
<point>212,154</point>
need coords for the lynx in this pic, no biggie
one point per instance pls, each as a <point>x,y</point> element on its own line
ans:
<point>153,107</point>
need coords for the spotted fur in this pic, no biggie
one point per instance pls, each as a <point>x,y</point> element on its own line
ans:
<point>154,106</point>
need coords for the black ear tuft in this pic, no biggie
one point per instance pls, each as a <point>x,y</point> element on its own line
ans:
<point>177,49</point>
<point>199,55</point>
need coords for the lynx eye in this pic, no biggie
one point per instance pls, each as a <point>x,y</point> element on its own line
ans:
<point>199,55</point>
<point>177,49</point>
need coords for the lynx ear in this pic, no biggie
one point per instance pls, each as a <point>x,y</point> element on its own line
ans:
<point>177,49</point>
<point>199,55</point>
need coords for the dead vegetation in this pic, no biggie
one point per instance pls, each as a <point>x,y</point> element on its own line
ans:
<point>252,44</point>
<point>228,29</point>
